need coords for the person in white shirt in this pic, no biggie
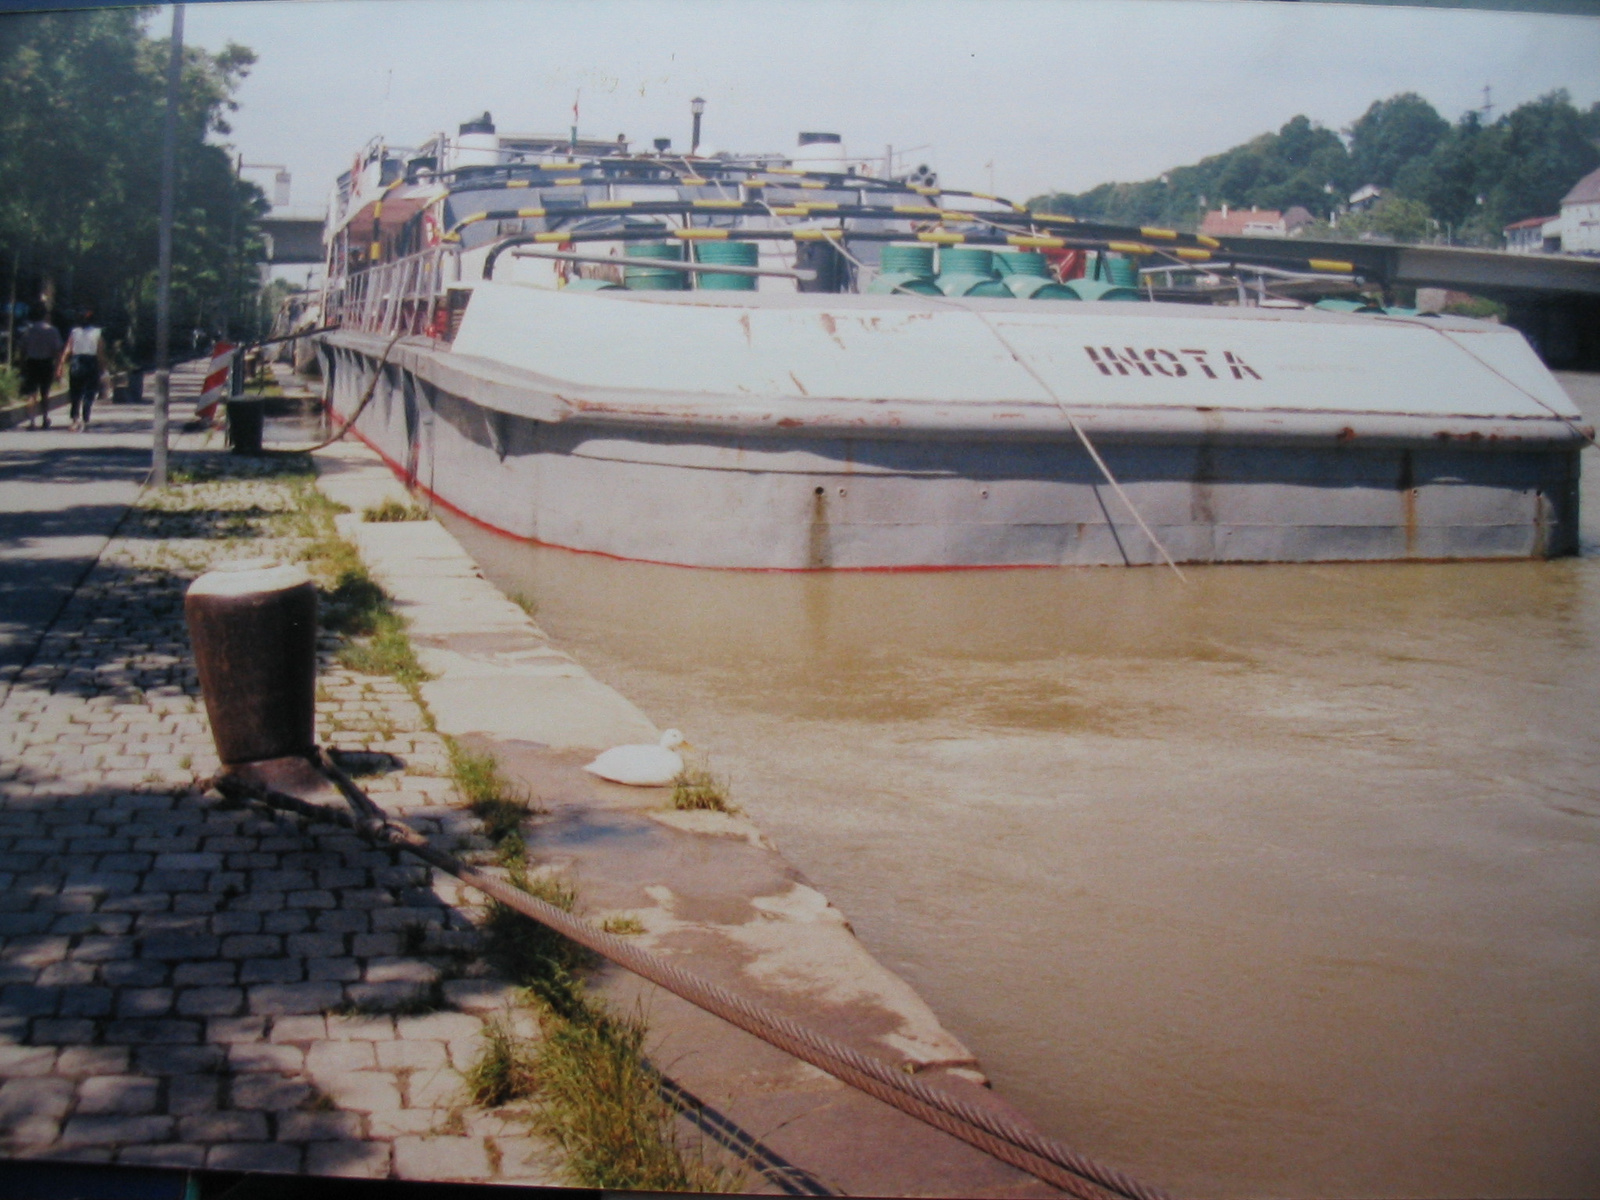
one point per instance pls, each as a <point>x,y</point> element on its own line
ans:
<point>85,357</point>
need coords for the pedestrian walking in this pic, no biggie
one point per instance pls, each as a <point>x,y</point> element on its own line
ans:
<point>85,358</point>
<point>41,346</point>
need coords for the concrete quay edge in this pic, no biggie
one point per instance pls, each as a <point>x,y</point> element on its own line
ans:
<point>710,890</point>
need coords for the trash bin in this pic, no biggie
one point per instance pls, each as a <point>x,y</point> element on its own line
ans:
<point>253,626</point>
<point>245,421</point>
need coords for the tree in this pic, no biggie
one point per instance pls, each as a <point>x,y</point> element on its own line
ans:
<point>80,177</point>
<point>1392,133</point>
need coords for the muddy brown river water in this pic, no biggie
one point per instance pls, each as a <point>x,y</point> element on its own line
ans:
<point>1285,882</point>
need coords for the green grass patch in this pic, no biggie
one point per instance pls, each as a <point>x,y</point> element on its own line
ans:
<point>623,926</point>
<point>499,803</point>
<point>393,510</point>
<point>526,603</point>
<point>505,1070</point>
<point>695,787</point>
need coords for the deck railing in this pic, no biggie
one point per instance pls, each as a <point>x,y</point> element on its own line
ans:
<point>403,296</point>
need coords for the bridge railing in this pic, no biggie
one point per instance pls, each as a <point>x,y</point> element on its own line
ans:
<point>403,296</point>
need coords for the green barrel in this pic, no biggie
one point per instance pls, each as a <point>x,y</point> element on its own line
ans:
<point>969,271</point>
<point>733,254</point>
<point>655,279</point>
<point>919,285</point>
<point>591,285</point>
<point>1121,272</point>
<point>1021,262</point>
<point>900,259</point>
<point>1099,289</point>
<point>1032,287</point>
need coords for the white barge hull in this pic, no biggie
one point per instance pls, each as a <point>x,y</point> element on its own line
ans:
<point>861,432</point>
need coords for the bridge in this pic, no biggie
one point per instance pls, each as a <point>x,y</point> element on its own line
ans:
<point>293,237</point>
<point>1554,298</point>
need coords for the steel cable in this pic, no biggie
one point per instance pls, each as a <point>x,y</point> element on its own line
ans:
<point>997,1136</point>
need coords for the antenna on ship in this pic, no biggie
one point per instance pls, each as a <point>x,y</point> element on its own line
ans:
<point>697,107</point>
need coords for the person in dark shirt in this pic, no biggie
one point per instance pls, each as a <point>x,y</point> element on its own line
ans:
<point>41,350</point>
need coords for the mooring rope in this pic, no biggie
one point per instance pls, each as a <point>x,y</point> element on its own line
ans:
<point>998,1136</point>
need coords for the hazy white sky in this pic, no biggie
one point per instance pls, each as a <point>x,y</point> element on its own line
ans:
<point>1055,94</point>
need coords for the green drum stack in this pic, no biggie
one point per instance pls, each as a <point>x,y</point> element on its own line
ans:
<point>1027,276</point>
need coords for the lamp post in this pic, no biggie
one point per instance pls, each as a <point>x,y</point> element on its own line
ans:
<point>697,106</point>
<point>169,183</point>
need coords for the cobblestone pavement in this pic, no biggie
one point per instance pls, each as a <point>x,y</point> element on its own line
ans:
<point>187,982</point>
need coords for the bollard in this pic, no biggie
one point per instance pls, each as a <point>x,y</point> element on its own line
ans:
<point>245,421</point>
<point>253,626</point>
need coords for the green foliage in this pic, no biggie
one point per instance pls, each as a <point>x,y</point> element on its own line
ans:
<point>1467,181</point>
<point>505,1069</point>
<point>1394,216</point>
<point>81,123</point>
<point>393,510</point>
<point>696,787</point>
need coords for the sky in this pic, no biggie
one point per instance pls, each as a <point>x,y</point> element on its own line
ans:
<point>1026,96</point>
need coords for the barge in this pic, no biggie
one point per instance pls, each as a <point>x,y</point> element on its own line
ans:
<point>769,363</point>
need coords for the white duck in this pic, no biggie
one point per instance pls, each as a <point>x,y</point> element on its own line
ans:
<point>642,766</point>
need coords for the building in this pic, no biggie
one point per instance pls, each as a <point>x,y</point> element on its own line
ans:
<point>1297,219</point>
<point>1239,222</point>
<point>1536,235</point>
<point>1580,216</point>
<point>1365,197</point>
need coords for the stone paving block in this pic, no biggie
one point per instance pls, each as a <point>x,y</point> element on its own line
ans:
<point>479,995</point>
<point>271,1157</point>
<point>138,972</point>
<point>361,1027</point>
<point>170,1154</point>
<point>268,1091</point>
<point>31,1101</point>
<point>453,1158</point>
<point>334,1058</point>
<point>179,1060</point>
<point>123,1095</point>
<point>529,1160</point>
<point>350,1159</point>
<point>236,1029</point>
<point>26,1060</point>
<point>115,1131</point>
<point>299,1029</point>
<point>272,970</point>
<point>265,1056</point>
<point>231,1126</point>
<point>319,1127</point>
<point>144,1002</point>
<point>412,1054</point>
<point>191,1094</point>
<point>363,1091</point>
<point>440,1088</point>
<point>439,1026</point>
<point>273,999</point>
<point>162,1031</point>
<point>210,1002</point>
<point>93,1060</point>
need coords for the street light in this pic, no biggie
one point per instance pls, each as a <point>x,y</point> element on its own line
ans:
<point>697,106</point>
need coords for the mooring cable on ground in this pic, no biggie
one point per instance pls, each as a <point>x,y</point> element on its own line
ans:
<point>996,1135</point>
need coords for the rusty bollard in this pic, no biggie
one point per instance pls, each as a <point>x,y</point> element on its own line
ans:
<point>253,626</point>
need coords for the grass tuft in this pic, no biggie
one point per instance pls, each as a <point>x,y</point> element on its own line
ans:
<point>394,510</point>
<point>505,1070</point>
<point>623,926</point>
<point>697,788</point>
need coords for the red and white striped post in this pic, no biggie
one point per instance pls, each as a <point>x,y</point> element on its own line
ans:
<point>217,380</point>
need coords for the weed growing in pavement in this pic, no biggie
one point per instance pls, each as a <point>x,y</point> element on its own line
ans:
<point>525,602</point>
<point>695,787</point>
<point>505,1069</point>
<point>501,805</point>
<point>623,926</point>
<point>394,510</point>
